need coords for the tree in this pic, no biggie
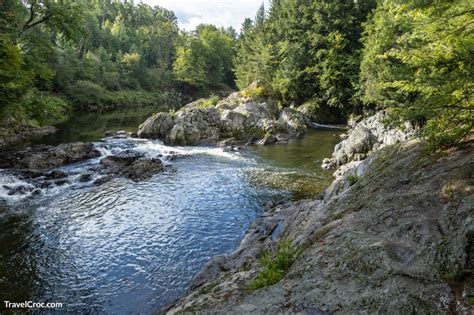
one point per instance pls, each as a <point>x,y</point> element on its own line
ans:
<point>418,62</point>
<point>26,46</point>
<point>204,58</point>
<point>305,50</point>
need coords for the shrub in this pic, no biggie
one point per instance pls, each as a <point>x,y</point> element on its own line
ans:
<point>40,108</point>
<point>275,265</point>
<point>208,102</point>
<point>253,91</point>
<point>125,98</point>
<point>83,94</point>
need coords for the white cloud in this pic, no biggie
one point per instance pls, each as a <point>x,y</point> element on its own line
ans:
<point>225,13</point>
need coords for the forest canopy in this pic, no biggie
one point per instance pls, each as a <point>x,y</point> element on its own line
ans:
<point>413,58</point>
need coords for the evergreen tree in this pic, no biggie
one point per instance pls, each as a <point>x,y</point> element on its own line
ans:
<point>418,62</point>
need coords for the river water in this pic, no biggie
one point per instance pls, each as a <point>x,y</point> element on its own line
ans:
<point>126,247</point>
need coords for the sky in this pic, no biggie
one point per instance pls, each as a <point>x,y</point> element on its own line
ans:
<point>191,13</point>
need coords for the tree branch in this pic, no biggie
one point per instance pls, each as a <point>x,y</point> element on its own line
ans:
<point>45,18</point>
<point>29,24</point>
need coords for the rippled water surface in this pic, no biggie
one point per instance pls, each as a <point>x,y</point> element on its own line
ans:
<point>126,247</point>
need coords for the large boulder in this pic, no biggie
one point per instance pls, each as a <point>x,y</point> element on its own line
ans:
<point>156,126</point>
<point>235,116</point>
<point>295,120</point>
<point>231,102</point>
<point>255,111</point>
<point>368,135</point>
<point>190,126</point>
<point>184,134</point>
<point>232,121</point>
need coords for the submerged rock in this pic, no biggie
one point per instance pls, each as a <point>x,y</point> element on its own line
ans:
<point>85,178</point>
<point>18,190</point>
<point>56,174</point>
<point>230,142</point>
<point>144,168</point>
<point>268,139</point>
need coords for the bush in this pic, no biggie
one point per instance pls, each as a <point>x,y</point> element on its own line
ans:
<point>126,98</point>
<point>208,102</point>
<point>254,91</point>
<point>40,108</point>
<point>83,94</point>
<point>275,265</point>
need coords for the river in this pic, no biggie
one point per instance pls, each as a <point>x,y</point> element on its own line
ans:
<point>126,247</point>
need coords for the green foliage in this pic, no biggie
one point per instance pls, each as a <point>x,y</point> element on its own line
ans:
<point>88,95</point>
<point>470,298</point>
<point>83,94</point>
<point>133,98</point>
<point>254,91</point>
<point>208,102</point>
<point>303,50</point>
<point>418,61</point>
<point>204,57</point>
<point>352,179</point>
<point>93,52</point>
<point>43,109</point>
<point>275,265</point>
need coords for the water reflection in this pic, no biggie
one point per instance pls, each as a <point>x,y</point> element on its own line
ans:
<point>92,126</point>
<point>297,165</point>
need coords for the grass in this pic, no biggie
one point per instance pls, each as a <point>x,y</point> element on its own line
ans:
<point>352,179</point>
<point>275,265</point>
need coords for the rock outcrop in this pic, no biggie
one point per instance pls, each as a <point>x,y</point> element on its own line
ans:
<point>366,136</point>
<point>236,116</point>
<point>393,235</point>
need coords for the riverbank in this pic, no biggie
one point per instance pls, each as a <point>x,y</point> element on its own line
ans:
<point>406,246</point>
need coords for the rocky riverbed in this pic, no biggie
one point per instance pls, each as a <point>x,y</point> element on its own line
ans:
<point>40,166</point>
<point>394,234</point>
